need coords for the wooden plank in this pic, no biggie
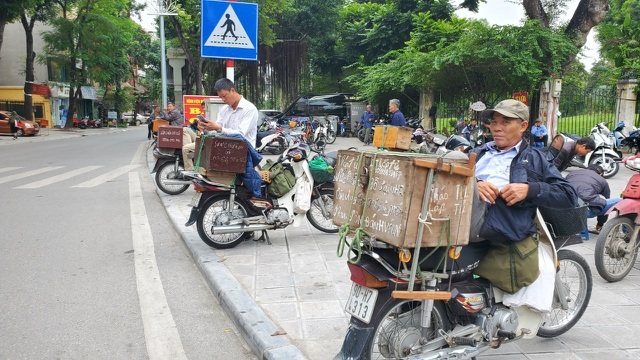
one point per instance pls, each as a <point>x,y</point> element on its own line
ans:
<point>421,295</point>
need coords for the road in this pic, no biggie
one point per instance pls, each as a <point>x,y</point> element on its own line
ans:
<point>91,267</point>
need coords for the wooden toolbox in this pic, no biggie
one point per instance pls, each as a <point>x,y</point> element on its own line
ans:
<point>170,137</point>
<point>395,137</point>
<point>384,194</point>
<point>221,153</point>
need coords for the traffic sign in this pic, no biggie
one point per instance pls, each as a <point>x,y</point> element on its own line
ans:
<point>229,30</point>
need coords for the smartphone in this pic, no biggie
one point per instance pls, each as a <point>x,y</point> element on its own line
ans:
<point>201,118</point>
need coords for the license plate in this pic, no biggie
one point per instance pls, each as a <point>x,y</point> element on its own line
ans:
<point>195,199</point>
<point>361,302</point>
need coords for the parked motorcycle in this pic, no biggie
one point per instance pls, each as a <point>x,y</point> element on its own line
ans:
<point>630,141</point>
<point>617,245</point>
<point>170,175</point>
<point>94,123</point>
<point>479,136</point>
<point>455,316</point>
<point>439,144</point>
<point>80,123</point>
<point>605,154</point>
<point>226,215</point>
<point>271,141</point>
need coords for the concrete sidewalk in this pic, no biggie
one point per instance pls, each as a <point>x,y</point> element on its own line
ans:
<point>288,298</point>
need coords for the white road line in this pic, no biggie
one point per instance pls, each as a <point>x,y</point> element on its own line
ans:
<point>28,173</point>
<point>58,178</point>
<point>11,168</point>
<point>161,335</point>
<point>138,153</point>
<point>99,180</point>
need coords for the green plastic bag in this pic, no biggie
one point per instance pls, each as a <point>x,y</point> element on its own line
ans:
<point>320,171</point>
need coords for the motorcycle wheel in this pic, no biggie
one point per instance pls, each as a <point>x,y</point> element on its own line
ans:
<point>82,126</point>
<point>320,214</point>
<point>167,172</point>
<point>575,278</point>
<point>214,212</point>
<point>397,328</point>
<point>614,260</point>
<point>331,137</point>
<point>361,135</point>
<point>280,148</point>
<point>609,160</point>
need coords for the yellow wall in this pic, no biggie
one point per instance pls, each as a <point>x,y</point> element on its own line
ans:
<point>16,93</point>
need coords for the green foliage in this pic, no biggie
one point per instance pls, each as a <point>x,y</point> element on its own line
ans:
<point>619,36</point>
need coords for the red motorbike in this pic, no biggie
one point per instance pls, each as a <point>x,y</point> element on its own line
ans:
<point>617,245</point>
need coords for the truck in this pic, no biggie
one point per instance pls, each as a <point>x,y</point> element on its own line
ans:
<point>335,107</point>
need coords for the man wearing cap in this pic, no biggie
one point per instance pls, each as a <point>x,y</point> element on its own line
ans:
<point>539,134</point>
<point>513,180</point>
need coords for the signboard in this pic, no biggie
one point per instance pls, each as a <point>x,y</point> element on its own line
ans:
<point>192,105</point>
<point>229,30</point>
<point>523,97</point>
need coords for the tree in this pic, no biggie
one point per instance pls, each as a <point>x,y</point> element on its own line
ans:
<point>91,40</point>
<point>10,10</point>
<point>619,36</point>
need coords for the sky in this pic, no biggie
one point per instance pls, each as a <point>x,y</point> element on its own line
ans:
<point>497,12</point>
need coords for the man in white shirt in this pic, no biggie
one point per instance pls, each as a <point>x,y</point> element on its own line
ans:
<point>238,116</point>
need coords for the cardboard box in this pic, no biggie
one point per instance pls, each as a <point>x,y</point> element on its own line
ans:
<point>170,137</point>
<point>221,153</point>
<point>395,137</point>
<point>157,123</point>
<point>384,194</point>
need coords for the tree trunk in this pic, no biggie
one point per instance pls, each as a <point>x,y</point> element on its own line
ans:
<point>588,14</point>
<point>29,69</point>
<point>2,24</point>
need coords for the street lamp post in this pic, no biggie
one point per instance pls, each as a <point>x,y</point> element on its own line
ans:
<point>162,9</point>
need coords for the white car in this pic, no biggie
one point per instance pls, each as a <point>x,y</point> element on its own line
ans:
<point>140,119</point>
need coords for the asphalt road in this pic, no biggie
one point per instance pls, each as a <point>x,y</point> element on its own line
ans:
<point>90,265</point>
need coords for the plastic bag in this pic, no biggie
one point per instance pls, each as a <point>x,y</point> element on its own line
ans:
<point>302,200</point>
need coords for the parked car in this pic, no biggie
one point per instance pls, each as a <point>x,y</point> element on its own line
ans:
<point>134,118</point>
<point>25,127</point>
<point>271,113</point>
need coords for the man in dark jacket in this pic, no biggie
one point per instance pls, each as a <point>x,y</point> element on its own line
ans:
<point>397,118</point>
<point>564,149</point>
<point>594,190</point>
<point>514,179</point>
<point>367,120</point>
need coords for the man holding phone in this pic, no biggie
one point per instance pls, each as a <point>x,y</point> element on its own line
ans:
<point>238,116</point>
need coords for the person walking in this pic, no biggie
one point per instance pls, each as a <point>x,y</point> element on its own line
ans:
<point>12,124</point>
<point>367,120</point>
<point>397,118</point>
<point>594,190</point>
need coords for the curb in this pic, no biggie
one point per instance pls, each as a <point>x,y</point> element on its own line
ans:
<point>254,325</point>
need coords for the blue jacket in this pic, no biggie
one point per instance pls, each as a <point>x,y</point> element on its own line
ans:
<point>547,188</point>
<point>397,119</point>
<point>367,119</point>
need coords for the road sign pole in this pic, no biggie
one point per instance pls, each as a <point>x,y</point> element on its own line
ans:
<point>230,69</point>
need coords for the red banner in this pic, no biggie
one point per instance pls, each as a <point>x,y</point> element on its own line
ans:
<point>40,89</point>
<point>193,106</point>
<point>523,97</point>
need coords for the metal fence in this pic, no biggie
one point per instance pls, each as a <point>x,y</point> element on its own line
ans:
<point>452,110</point>
<point>581,109</point>
<point>18,107</point>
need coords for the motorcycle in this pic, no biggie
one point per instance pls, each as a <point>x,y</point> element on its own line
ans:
<point>479,136</point>
<point>617,245</point>
<point>605,154</point>
<point>80,123</point>
<point>272,141</point>
<point>430,142</point>
<point>227,215</point>
<point>171,178</point>
<point>94,123</point>
<point>458,316</point>
<point>631,141</point>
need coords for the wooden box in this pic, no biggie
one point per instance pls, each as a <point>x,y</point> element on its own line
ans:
<point>158,122</point>
<point>395,137</point>
<point>221,153</point>
<point>384,194</point>
<point>170,137</point>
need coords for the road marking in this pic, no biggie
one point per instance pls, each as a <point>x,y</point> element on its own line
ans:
<point>136,156</point>
<point>58,178</point>
<point>106,177</point>
<point>161,335</point>
<point>9,169</point>
<point>28,173</point>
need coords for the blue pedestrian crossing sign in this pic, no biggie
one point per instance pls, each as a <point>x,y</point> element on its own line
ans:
<point>229,30</point>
